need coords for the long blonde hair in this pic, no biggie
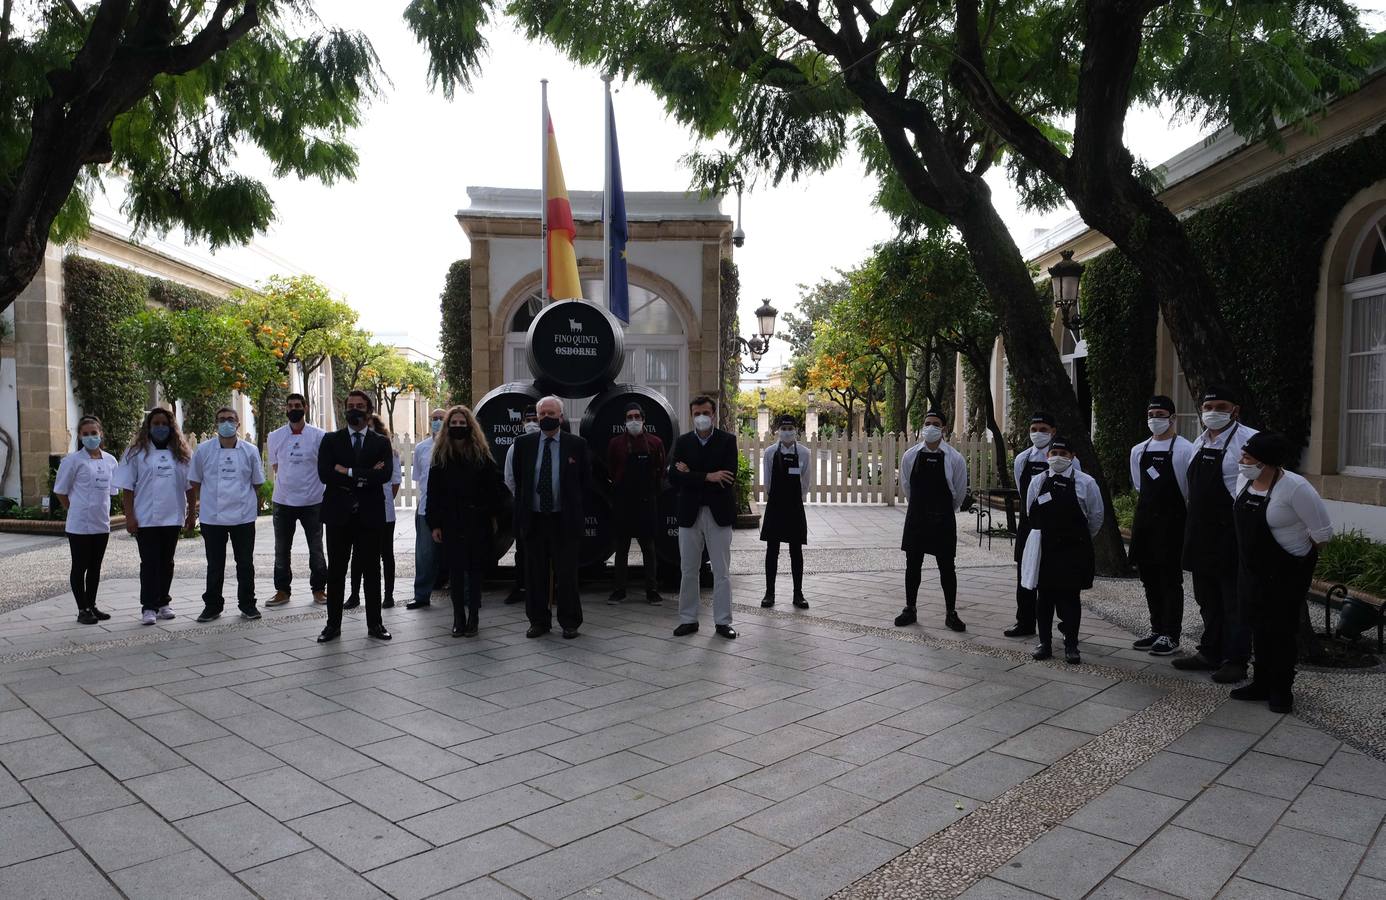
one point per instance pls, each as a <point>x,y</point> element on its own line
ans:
<point>176,444</point>
<point>471,449</point>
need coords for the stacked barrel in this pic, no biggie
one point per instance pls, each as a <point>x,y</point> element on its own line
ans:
<point>575,350</point>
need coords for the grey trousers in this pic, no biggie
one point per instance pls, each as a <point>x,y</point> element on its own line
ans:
<point>717,539</point>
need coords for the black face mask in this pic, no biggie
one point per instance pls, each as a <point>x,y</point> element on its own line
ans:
<point>356,417</point>
<point>295,415</point>
<point>549,423</point>
<point>458,432</point>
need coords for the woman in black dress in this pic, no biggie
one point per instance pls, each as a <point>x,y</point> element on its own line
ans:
<point>788,475</point>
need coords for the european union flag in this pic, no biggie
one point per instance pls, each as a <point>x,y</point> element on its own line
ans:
<point>617,285</point>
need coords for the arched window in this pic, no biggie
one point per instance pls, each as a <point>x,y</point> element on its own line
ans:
<point>1364,374</point>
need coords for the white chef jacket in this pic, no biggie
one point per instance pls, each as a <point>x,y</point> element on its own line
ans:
<point>1084,487</point>
<point>805,466</point>
<point>1238,434</point>
<point>423,459</point>
<point>89,484</point>
<point>1181,457</point>
<point>295,461</point>
<point>397,477</point>
<point>229,477</point>
<point>1296,515</point>
<point>954,467</point>
<point>159,483</point>
<point>1024,456</point>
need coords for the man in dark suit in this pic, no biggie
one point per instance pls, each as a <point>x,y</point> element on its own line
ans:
<point>353,463</point>
<point>703,468</point>
<point>548,472</point>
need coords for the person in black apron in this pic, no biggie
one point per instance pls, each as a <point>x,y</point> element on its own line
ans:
<point>636,463</point>
<point>1158,468</point>
<point>1281,523</point>
<point>517,592</point>
<point>788,472</point>
<point>1031,461</point>
<point>934,477</point>
<point>1065,510</point>
<point>1210,540</point>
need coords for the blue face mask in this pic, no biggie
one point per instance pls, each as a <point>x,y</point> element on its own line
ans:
<point>435,425</point>
<point>226,429</point>
<point>159,433</point>
<point>91,441</point>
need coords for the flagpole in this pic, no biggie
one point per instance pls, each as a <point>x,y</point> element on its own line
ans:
<point>544,191</point>
<point>606,193</point>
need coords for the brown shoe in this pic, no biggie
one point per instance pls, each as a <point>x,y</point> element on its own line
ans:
<point>280,598</point>
<point>320,597</point>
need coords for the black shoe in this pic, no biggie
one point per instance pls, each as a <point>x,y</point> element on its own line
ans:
<point>250,613</point>
<point>380,634</point>
<point>1196,663</point>
<point>459,625</point>
<point>727,632</point>
<point>441,585</point>
<point>387,603</point>
<point>1281,703</point>
<point>616,598</point>
<point>653,598</point>
<point>86,617</point>
<point>800,602</point>
<point>1020,631</point>
<point>1146,642</point>
<point>515,597</point>
<point>208,615</point>
<point>907,617</point>
<point>100,616</point>
<point>1230,673</point>
<point>953,622</point>
<point>1254,692</point>
<point>768,601</point>
<point>685,628</point>
<point>415,604</point>
<point>1042,651</point>
<point>472,625</point>
<point>352,602</point>
<point>329,634</point>
<point>1163,646</point>
<point>1071,655</point>
<point>537,631</point>
<point>569,633</point>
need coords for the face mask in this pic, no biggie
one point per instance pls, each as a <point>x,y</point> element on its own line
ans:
<point>787,435</point>
<point>458,432</point>
<point>531,427</point>
<point>1040,439</point>
<point>1249,472</point>
<point>1059,464</point>
<point>1215,420</point>
<point>295,415</point>
<point>702,423</point>
<point>549,423</point>
<point>435,425</point>
<point>1157,426</point>
<point>933,434</point>
<point>159,433</point>
<point>635,426</point>
<point>91,441</point>
<point>356,417</point>
<point>226,429</point>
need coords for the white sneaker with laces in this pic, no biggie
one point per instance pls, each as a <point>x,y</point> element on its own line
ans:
<point>147,617</point>
<point>166,612</point>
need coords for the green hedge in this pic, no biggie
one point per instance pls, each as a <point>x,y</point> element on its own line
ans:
<point>729,295</point>
<point>455,338</point>
<point>1263,247</point>
<point>97,297</point>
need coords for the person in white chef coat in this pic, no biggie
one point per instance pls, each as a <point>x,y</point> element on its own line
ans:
<point>787,470</point>
<point>153,478</point>
<point>933,476</point>
<point>84,485</point>
<point>225,475</point>
<point>297,499</point>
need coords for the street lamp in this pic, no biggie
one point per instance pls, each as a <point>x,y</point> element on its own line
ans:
<point>758,345</point>
<point>1064,277</point>
<point>762,396</point>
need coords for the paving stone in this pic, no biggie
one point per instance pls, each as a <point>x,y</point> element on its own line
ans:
<point>801,818</point>
<point>1309,864</point>
<point>509,743</point>
<point>1173,775</point>
<point>1241,889</point>
<point>1211,742</point>
<point>1351,772</point>
<point>241,837</point>
<point>351,728</point>
<point>21,724</point>
<point>311,875</point>
<point>1364,888</point>
<point>113,742</point>
<point>887,777</point>
<point>772,715</point>
<point>915,815</point>
<point>991,889</point>
<point>575,781</point>
<point>824,865</point>
<point>583,863</point>
<point>107,837</point>
<point>1298,741</point>
<point>377,704</point>
<point>687,778</point>
<point>1064,863</point>
<point>61,876</point>
<point>1334,813</point>
<point>286,793</point>
<point>1125,814</point>
<point>1252,717</point>
<point>1121,889</point>
<point>298,704</point>
<point>182,792</point>
<point>932,717</point>
<point>1274,776</point>
<point>1091,716</point>
<point>78,792</point>
<point>437,728</point>
<point>1374,863</point>
<point>1165,863</point>
<point>701,866</point>
<point>189,874</point>
<point>11,793</point>
<point>1131,695</point>
<point>461,819</point>
<point>41,756</point>
<point>681,746</point>
<point>183,726</point>
<point>955,744</point>
<point>701,814</point>
<point>587,747</point>
<point>985,777</point>
<point>320,757</point>
<point>1232,814</point>
<point>576,819</point>
<point>491,776</point>
<point>743,890</point>
<point>483,889</point>
<point>60,702</point>
<point>229,757</point>
<point>27,833</point>
<point>780,743</point>
<point>1057,695</point>
<point>792,776</point>
<point>1010,718</point>
<point>1043,743</point>
<point>357,837</point>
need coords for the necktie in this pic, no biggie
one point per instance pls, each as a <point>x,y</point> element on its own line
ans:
<point>356,444</point>
<point>546,478</point>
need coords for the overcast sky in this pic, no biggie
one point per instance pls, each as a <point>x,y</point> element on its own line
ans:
<point>384,241</point>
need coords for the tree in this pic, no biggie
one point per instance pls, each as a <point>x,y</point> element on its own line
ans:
<point>1253,66</point>
<point>357,354</point>
<point>844,370</point>
<point>393,375</point>
<point>814,304</point>
<point>455,335</point>
<point>164,91</point>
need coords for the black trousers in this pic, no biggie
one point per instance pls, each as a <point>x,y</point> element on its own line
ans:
<point>387,564</point>
<point>1164,596</point>
<point>1070,610</point>
<point>157,546</point>
<point>1275,618</point>
<point>551,563</point>
<point>772,566</point>
<point>345,541</point>
<point>88,550</point>
<point>1226,634</point>
<point>623,537</point>
<point>914,574</point>
<point>242,537</point>
<point>467,568</point>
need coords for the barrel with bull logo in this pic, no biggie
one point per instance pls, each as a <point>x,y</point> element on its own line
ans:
<point>575,348</point>
<point>501,415</point>
<point>606,418</point>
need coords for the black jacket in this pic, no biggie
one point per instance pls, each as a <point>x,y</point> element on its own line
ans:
<point>695,491</point>
<point>465,497</point>
<point>358,495</point>
<point>574,479</point>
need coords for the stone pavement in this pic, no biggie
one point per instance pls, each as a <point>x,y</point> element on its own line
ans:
<point>824,752</point>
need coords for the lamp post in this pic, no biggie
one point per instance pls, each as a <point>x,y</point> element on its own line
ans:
<point>1064,277</point>
<point>757,345</point>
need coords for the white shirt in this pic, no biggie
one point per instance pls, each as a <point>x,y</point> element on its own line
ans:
<point>1023,458</point>
<point>1181,457</point>
<point>295,461</point>
<point>1084,488</point>
<point>1238,434</point>
<point>423,459</point>
<point>805,466</point>
<point>160,485</point>
<point>396,478</point>
<point>89,485</point>
<point>229,477</point>
<point>954,467</point>
<point>1297,516</point>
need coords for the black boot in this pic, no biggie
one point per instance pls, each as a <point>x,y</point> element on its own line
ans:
<point>1071,654</point>
<point>799,600</point>
<point>769,599</point>
<point>907,617</point>
<point>472,619</point>
<point>953,622</point>
<point>459,622</point>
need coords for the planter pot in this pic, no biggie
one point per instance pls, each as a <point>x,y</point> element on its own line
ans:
<point>1356,617</point>
<point>47,526</point>
<point>747,520</point>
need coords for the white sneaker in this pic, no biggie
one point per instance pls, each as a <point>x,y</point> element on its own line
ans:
<point>147,617</point>
<point>166,612</point>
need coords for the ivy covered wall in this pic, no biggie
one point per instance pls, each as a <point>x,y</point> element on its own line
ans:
<point>455,338</point>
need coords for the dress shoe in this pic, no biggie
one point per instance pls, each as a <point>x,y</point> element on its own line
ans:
<point>459,624</point>
<point>473,623</point>
<point>1196,663</point>
<point>1042,652</point>
<point>1019,631</point>
<point>727,632</point>
<point>616,598</point>
<point>953,622</point>
<point>380,634</point>
<point>569,633</point>
<point>685,628</point>
<point>387,603</point>
<point>514,597</point>
<point>653,598</point>
<point>329,634</point>
<point>1230,673</point>
<point>86,617</point>
<point>768,601</point>
<point>800,602</point>
<point>537,631</point>
<point>280,598</point>
<point>1253,692</point>
<point>1071,655</point>
<point>320,598</point>
<point>100,616</point>
<point>351,603</point>
<point>208,615</point>
<point>907,617</point>
<point>415,604</point>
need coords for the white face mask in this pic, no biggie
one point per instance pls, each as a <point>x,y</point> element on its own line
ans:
<point>1059,464</point>
<point>1157,426</point>
<point>634,426</point>
<point>787,435</point>
<point>702,423</point>
<point>1249,472</point>
<point>1216,420</point>
<point>531,427</point>
<point>933,434</point>
<point>1040,439</point>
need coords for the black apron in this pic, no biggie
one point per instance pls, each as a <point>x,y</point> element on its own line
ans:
<point>1032,468</point>
<point>635,501</point>
<point>1157,534</point>
<point>930,526</point>
<point>1066,557</point>
<point>1271,581</point>
<point>1210,540</point>
<point>784,519</point>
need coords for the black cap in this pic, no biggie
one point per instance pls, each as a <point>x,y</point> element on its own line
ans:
<point>1044,418</point>
<point>1271,449</point>
<point>937,415</point>
<point>787,419</point>
<point>531,412</point>
<point>1059,442</point>
<point>1160,401</point>
<point>1217,392</point>
<point>632,406</point>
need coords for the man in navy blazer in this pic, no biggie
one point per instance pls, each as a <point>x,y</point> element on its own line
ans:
<point>548,473</point>
<point>703,467</point>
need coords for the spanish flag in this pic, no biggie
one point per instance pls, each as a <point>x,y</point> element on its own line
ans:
<point>563,281</point>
